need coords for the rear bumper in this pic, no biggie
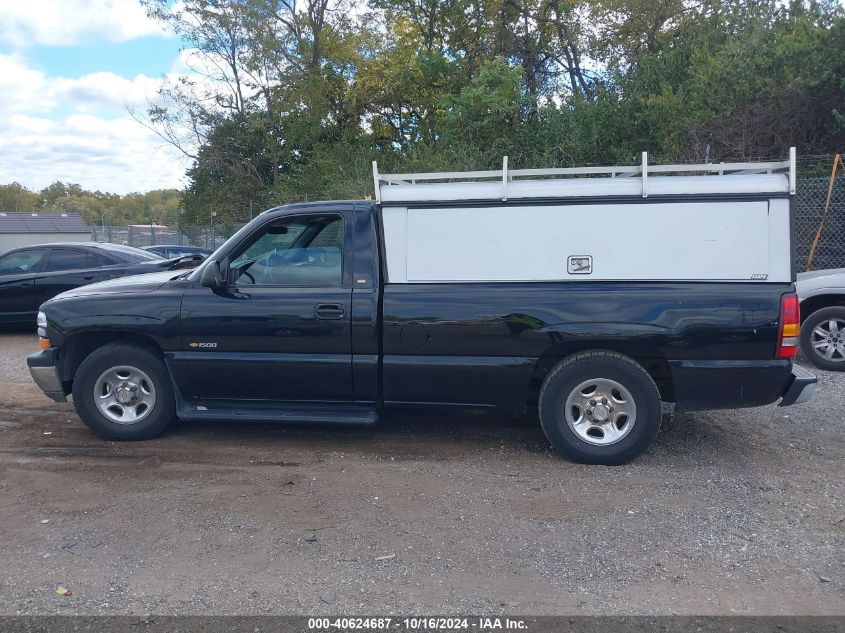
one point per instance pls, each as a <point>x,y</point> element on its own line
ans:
<point>45,373</point>
<point>738,384</point>
<point>800,389</point>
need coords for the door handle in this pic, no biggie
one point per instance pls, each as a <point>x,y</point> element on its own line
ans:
<point>88,278</point>
<point>329,311</point>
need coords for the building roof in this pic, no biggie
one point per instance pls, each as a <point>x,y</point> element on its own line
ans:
<point>41,222</point>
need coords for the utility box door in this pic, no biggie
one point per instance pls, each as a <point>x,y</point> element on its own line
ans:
<point>659,241</point>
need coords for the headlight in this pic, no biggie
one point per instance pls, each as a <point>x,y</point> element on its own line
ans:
<point>41,321</point>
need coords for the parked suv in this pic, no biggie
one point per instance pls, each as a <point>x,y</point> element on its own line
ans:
<point>822,295</point>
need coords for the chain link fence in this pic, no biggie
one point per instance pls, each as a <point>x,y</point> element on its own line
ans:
<point>809,206</point>
<point>811,196</point>
<point>140,235</point>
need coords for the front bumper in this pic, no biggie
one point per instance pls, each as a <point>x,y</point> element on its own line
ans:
<point>800,389</point>
<point>44,370</point>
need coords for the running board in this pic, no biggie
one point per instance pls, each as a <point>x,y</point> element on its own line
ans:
<point>238,411</point>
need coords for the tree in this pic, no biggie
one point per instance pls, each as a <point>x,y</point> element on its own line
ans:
<point>401,88</point>
<point>299,95</point>
<point>487,114</point>
<point>16,197</point>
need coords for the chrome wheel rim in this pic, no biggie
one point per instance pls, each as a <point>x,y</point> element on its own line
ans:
<point>828,340</point>
<point>600,411</point>
<point>124,394</point>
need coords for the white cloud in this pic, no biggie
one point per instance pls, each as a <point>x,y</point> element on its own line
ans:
<point>67,22</point>
<point>116,155</point>
<point>104,90</point>
<point>30,125</point>
<point>23,88</point>
<point>78,130</point>
<point>29,90</point>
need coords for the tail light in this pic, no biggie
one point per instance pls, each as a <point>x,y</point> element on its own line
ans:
<point>790,320</point>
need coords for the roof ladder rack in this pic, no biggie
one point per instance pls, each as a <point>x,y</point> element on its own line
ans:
<point>508,176</point>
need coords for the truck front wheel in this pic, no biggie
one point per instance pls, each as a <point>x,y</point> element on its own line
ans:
<point>123,392</point>
<point>600,407</point>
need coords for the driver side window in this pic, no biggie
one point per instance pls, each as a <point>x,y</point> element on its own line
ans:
<point>299,251</point>
<point>21,262</point>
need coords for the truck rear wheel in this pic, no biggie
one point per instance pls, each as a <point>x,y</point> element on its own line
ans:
<point>123,392</point>
<point>600,407</point>
<point>823,338</point>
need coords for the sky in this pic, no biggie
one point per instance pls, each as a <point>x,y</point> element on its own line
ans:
<point>69,72</point>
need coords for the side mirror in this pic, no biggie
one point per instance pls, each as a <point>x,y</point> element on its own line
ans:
<point>211,275</point>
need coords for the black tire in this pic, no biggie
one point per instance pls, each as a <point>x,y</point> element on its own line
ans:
<point>608,366</point>
<point>156,418</point>
<point>816,319</point>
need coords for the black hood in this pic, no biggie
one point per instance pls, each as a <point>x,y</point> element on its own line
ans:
<point>136,284</point>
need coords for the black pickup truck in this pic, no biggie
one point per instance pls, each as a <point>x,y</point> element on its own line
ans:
<point>292,320</point>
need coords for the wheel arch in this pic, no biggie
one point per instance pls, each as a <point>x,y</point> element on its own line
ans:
<point>648,357</point>
<point>817,302</point>
<point>76,348</point>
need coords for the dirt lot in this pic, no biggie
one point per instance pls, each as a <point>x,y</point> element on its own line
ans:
<point>730,512</point>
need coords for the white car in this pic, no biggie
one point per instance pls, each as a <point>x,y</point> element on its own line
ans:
<point>822,297</point>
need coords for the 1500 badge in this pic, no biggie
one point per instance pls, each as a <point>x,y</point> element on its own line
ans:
<point>202,345</point>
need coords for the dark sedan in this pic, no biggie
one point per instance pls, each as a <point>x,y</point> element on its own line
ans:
<point>175,250</point>
<point>32,274</point>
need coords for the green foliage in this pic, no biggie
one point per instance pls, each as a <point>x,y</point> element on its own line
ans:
<point>401,88</point>
<point>161,206</point>
<point>747,81</point>
<point>240,160</point>
<point>16,197</point>
<point>456,84</point>
<point>487,114</point>
<point>299,97</point>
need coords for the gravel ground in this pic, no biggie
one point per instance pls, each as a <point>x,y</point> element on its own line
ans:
<point>733,512</point>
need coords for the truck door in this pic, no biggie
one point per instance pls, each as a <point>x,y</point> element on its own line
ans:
<point>280,328</point>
